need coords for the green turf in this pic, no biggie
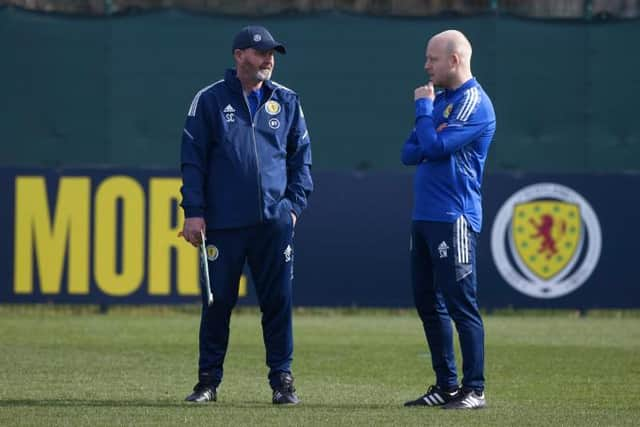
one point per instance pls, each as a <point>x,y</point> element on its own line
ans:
<point>133,367</point>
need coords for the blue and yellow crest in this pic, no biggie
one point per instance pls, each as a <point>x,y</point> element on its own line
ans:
<point>547,235</point>
<point>212,252</point>
<point>272,107</point>
<point>447,111</point>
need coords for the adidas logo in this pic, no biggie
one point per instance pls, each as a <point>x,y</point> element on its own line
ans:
<point>287,253</point>
<point>229,109</point>
<point>442,249</point>
<point>433,399</point>
<point>473,402</point>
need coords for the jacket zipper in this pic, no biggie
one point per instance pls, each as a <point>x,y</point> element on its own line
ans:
<point>255,148</point>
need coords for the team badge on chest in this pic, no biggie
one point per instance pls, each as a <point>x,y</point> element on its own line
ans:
<point>272,107</point>
<point>447,111</point>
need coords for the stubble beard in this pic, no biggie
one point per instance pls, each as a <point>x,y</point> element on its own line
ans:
<point>263,75</point>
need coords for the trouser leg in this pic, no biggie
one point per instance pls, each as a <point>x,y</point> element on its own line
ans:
<point>456,277</point>
<point>431,309</point>
<point>271,262</point>
<point>224,273</point>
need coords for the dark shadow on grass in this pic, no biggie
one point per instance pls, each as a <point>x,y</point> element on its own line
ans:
<point>62,403</point>
<point>94,403</point>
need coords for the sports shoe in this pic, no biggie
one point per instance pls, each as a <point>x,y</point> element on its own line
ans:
<point>468,399</point>
<point>434,396</point>
<point>202,393</point>
<point>285,394</point>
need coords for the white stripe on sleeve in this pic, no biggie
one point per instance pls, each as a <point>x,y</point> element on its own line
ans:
<point>194,103</point>
<point>474,99</point>
<point>465,103</point>
<point>458,240</point>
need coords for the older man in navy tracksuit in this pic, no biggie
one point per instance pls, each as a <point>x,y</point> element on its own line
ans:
<point>449,146</point>
<point>246,159</point>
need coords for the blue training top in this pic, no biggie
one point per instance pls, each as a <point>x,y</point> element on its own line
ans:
<point>449,145</point>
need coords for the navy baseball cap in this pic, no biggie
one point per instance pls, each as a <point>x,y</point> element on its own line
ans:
<point>258,38</point>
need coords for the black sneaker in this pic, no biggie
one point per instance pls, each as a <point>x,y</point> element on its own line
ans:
<point>434,396</point>
<point>285,394</point>
<point>202,393</point>
<point>468,399</point>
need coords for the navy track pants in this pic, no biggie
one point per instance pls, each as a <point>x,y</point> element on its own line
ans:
<point>443,267</point>
<point>268,250</point>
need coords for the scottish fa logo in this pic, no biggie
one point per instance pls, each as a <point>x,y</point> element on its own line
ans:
<point>447,111</point>
<point>546,240</point>
<point>272,107</point>
<point>212,252</point>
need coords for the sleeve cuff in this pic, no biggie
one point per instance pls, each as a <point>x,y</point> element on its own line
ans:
<point>292,207</point>
<point>296,210</point>
<point>193,212</point>
<point>424,107</point>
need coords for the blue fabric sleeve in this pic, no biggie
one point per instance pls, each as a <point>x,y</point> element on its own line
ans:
<point>299,182</point>
<point>456,134</point>
<point>196,138</point>
<point>411,151</point>
<point>424,107</point>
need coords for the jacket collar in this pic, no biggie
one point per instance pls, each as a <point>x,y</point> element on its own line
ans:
<point>466,85</point>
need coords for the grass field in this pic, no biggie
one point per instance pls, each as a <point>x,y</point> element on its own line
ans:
<point>134,367</point>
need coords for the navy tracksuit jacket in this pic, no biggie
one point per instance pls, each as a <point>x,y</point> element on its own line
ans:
<point>245,172</point>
